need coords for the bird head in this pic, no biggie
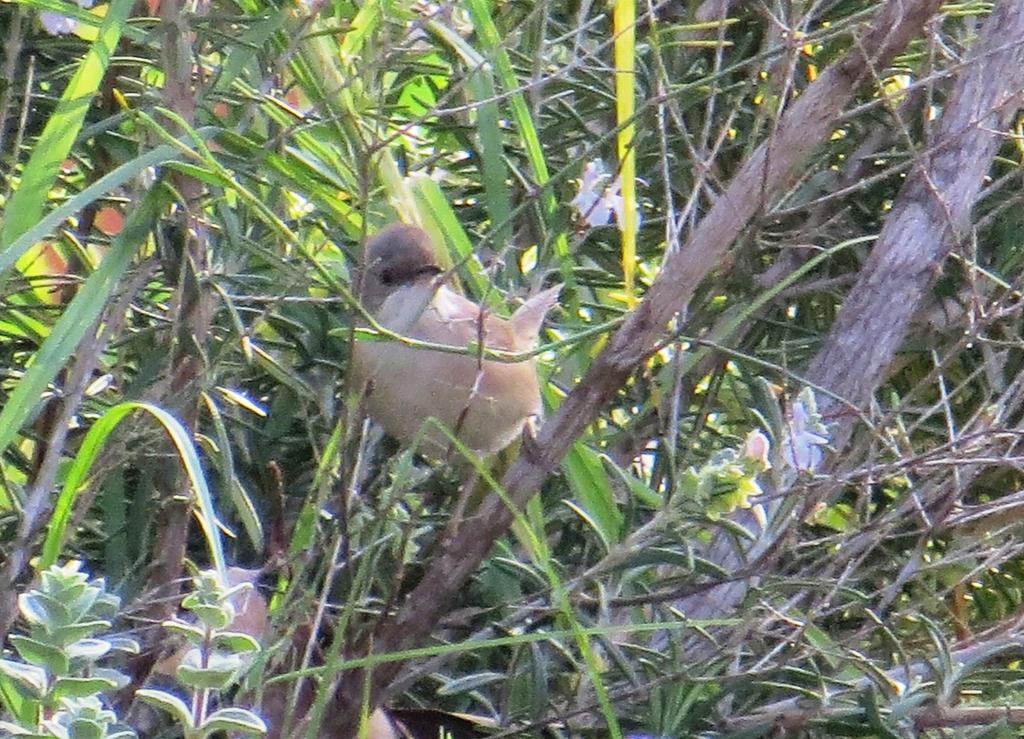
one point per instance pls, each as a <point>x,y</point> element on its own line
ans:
<point>397,256</point>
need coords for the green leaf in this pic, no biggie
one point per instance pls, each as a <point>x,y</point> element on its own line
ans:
<point>592,488</point>
<point>44,655</point>
<point>243,53</point>
<point>193,632</point>
<point>81,630</point>
<point>876,719</point>
<point>106,184</point>
<point>82,604</point>
<point>245,509</point>
<point>235,641</point>
<point>169,704</point>
<point>474,681</point>
<point>87,649</point>
<point>39,609</point>
<point>82,687</point>
<point>305,529</point>
<point>654,557</point>
<point>115,677</point>
<point>234,720</point>
<point>124,644</point>
<point>217,675</point>
<point>492,156</point>
<point>640,490</point>
<point>200,173</point>
<point>30,677</point>
<point>214,616</point>
<point>121,734</point>
<point>90,449</point>
<point>78,728</point>
<point>16,704</point>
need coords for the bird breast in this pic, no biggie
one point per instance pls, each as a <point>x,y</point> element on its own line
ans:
<point>486,401</point>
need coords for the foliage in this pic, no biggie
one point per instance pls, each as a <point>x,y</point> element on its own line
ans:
<point>215,658</point>
<point>57,679</point>
<point>184,198</point>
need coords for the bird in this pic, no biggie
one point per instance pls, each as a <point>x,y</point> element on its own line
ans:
<point>483,402</point>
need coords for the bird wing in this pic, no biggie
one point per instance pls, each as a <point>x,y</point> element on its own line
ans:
<point>528,319</point>
<point>457,322</point>
<point>449,318</point>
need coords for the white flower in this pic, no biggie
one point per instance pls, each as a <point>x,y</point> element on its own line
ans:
<point>598,198</point>
<point>806,435</point>
<point>588,202</point>
<point>57,24</point>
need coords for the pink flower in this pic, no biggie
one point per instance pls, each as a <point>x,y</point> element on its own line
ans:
<point>756,448</point>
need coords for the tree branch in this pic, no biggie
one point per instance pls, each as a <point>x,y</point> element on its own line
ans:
<point>931,215</point>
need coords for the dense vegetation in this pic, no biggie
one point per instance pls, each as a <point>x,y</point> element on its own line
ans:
<point>778,485</point>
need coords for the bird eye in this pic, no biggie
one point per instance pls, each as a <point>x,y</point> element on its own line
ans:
<point>387,277</point>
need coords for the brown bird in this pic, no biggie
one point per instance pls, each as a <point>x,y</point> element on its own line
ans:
<point>484,403</point>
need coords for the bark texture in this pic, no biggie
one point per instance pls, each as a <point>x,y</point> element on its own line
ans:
<point>931,215</point>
